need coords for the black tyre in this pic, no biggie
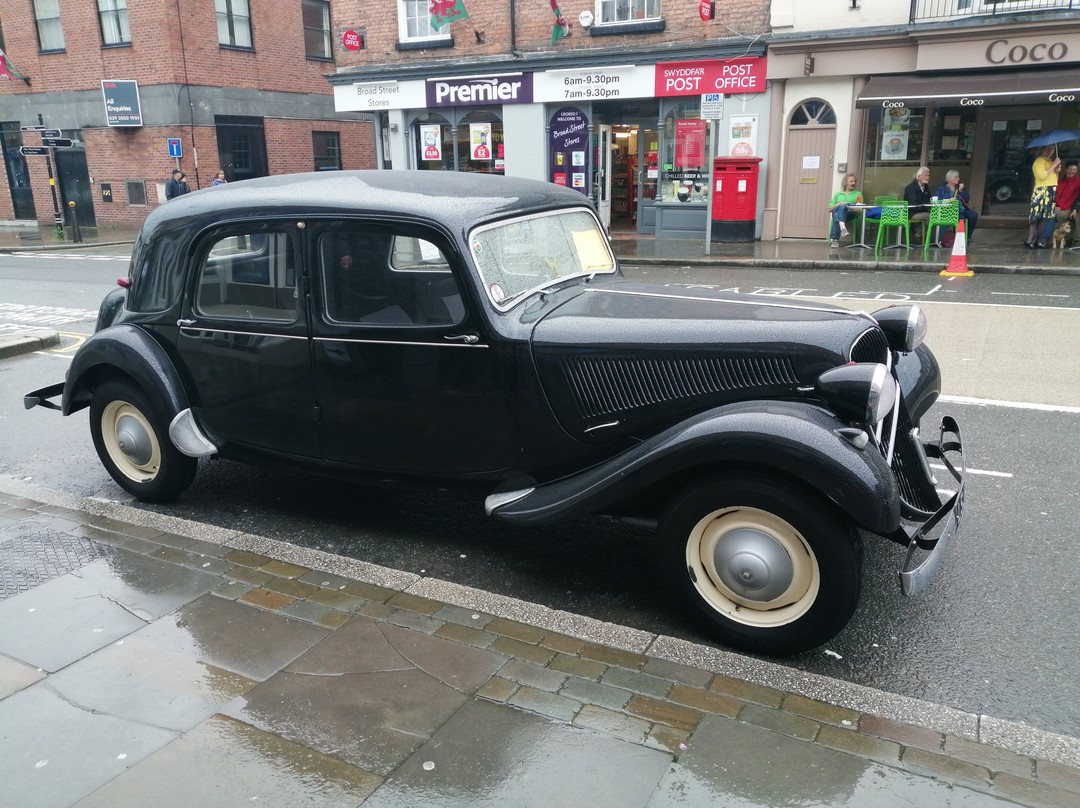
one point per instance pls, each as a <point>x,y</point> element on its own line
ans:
<point>131,438</point>
<point>772,567</point>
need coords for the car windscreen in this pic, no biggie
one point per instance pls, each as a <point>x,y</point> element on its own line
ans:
<point>518,256</point>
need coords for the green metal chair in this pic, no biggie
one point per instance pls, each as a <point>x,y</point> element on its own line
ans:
<point>942,214</point>
<point>878,202</point>
<point>894,214</point>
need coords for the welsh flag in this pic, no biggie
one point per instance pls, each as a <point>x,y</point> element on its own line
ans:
<point>561,27</point>
<point>446,11</point>
<point>6,71</point>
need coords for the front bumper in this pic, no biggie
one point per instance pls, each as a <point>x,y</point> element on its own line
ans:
<point>925,552</point>
<point>41,396</point>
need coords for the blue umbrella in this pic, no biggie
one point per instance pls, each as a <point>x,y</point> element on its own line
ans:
<point>1053,137</point>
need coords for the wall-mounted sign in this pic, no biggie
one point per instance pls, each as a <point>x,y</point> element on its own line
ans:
<point>376,95</point>
<point>705,9</point>
<point>502,88</point>
<point>594,83</point>
<point>570,149</point>
<point>121,103</point>
<point>352,40</point>
<point>745,75</point>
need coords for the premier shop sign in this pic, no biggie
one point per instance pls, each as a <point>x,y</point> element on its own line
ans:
<point>504,88</point>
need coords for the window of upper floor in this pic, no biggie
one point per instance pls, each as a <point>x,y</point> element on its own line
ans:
<point>610,12</point>
<point>113,16</point>
<point>326,147</point>
<point>233,23</point>
<point>49,31</point>
<point>414,22</point>
<point>317,29</point>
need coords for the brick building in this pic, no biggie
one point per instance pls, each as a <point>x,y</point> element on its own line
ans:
<point>611,107</point>
<point>239,85</point>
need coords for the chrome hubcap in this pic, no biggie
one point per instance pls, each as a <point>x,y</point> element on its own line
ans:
<point>133,440</point>
<point>753,565</point>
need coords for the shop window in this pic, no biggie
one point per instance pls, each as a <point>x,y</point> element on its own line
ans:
<point>317,29</point>
<point>414,22</point>
<point>684,164</point>
<point>435,143</point>
<point>50,33</point>
<point>136,193</point>
<point>113,16</point>
<point>893,149</point>
<point>327,149</point>
<point>233,23</point>
<point>615,11</point>
<point>480,143</point>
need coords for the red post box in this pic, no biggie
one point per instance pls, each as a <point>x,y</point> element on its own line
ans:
<point>734,198</point>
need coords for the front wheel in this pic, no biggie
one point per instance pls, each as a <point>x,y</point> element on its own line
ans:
<point>132,441</point>
<point>773,568</point>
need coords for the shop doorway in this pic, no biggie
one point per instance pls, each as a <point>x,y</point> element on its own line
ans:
<point>602,180</point>
<point>809,174</point>
<point>1001,146</point>
<point>634,177</point>
<point>73,179</point>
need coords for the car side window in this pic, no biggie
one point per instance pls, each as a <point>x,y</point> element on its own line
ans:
<point>386,279</point>
<point>249,276</point>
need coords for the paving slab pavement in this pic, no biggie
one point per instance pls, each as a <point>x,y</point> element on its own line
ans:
<point>147,659</point>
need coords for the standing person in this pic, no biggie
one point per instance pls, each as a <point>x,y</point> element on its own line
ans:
<point>219,178</point>
<point>1045,170</point>
<point>838,208</point>
<point>1068,193</point>
<point>952,188</point>
<point>176,186</point>
<point>917,196</point>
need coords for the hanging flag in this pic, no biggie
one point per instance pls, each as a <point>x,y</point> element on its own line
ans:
<point>6,71</point>
<point>446,11</point>
<point>562,28</point>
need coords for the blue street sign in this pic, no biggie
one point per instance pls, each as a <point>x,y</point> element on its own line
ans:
<point>174,147</point>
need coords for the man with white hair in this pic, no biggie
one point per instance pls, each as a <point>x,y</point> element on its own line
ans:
<point>917,196</point>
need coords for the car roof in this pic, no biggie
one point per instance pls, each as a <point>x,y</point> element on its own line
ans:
<point>457,199</point>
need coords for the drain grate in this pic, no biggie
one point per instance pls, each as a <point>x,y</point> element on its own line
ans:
<point>31,559</point>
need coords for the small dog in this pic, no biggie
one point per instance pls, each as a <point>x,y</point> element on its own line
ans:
<point>1061,234</point>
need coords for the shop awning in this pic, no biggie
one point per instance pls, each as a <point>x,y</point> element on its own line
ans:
<point>975,90</point>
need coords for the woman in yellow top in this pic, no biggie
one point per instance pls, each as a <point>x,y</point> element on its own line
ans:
<point>838,209</point>
<point>1045,169</point>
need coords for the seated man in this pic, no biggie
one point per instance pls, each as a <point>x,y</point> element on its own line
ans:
<point>952,188</point>
<point>917,195</point>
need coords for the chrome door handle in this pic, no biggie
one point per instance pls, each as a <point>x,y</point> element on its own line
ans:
<point>468,339</point>
<point>183,323</point>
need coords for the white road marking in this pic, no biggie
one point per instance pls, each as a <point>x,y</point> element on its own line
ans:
<point>1016,405</point>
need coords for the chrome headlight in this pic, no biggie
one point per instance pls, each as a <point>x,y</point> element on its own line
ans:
<point>904,326</point>
<point>862,392</point>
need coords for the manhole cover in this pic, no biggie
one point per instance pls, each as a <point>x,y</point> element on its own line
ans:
<point>31,559</point>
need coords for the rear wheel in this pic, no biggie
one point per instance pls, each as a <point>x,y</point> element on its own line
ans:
<point>772,567</point>
<point>132,440</point>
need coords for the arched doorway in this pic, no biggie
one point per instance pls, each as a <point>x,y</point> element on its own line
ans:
<point>809,170</point>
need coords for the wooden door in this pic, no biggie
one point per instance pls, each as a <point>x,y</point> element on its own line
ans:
<point>808,182</point>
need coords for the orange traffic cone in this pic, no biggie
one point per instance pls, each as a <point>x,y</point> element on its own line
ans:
<point>958,263</point>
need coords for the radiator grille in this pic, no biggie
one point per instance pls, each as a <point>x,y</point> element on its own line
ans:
<point>604,386</point>
<point>915,490</point>
<point>870,346</point>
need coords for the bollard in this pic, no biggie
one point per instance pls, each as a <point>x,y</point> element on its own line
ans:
<point>76,235</point>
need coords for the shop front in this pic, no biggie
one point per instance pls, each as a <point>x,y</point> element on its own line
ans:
<point>631,138</point>
<point>976,123</point>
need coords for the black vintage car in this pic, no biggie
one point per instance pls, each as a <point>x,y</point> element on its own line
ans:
<point>474,334</point>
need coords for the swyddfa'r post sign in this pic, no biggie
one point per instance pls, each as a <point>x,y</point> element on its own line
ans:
<point>121,103</point>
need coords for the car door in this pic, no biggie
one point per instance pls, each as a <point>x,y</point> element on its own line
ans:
<point>405,376</point>
<point>244,341</point>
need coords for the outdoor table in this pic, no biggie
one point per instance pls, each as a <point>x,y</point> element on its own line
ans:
<point>861,209</point>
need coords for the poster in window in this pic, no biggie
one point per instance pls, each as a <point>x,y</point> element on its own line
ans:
<point>894,143</point>
<point>431,137</point>
<point>689,144</point>
<point>744,129</point>
<point>480,138</point>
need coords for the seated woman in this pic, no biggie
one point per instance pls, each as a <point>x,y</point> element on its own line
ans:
<point>952,188</point>
<point>838,209</point>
